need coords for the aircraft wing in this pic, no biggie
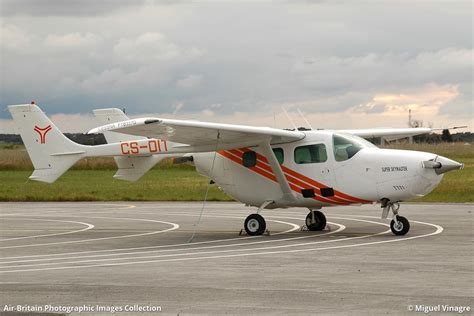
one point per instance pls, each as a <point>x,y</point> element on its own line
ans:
<point>393,133</point>
<point>201,135</point>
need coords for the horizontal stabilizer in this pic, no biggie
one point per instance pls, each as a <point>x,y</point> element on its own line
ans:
<point>133,168</point>
<point>61,163</point>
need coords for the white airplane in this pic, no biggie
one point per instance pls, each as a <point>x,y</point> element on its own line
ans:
<point>259,166</point>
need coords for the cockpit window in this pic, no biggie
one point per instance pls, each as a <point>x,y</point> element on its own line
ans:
<point>346,146</point>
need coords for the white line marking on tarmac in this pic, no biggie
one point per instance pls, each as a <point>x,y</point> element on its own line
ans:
<point>88,226</point>
<point>439,229</point>
<point>341,227</point>
<point>172,245</point>
<point>174,226</point>
<point>186,254</point>
<point>295,227</point>
<point>54,205</point>
<point>183,254</point>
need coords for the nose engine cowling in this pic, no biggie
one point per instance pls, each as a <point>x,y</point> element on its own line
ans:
<point>442,164</point>
<point>403,175</point>
<point>431,172</point>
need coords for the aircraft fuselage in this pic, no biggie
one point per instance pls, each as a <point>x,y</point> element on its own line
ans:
<point>322,171</point>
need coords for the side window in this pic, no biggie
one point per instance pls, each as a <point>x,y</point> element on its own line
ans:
<point>344,147</point>
<point>280,156</point>
<point>249,159</point>
<point>311,154</point>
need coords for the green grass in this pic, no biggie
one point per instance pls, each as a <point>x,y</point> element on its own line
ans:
<point>91,180</point>
<point>456,186</point>
<point>168,184</point>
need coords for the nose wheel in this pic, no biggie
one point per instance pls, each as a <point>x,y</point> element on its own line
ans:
<point>255,225</point>
<point>315,221</point>
<point>399,224</point>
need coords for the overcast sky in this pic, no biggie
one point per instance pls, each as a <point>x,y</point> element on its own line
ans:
<point>344,64</point>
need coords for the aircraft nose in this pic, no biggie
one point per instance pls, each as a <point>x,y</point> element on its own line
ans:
<point>442,164</point>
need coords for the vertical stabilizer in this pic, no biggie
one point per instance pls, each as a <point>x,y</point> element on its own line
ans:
<point>51,152</point>
<point>129,168</point>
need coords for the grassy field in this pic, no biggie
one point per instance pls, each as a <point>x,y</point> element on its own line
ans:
<point>169,184</point>
<point>91,180</point>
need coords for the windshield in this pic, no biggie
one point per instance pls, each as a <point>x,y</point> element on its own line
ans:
<point>346,146</point>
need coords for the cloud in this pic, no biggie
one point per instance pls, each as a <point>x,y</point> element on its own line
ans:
<point>64,8</point>
<point>388,69</point>
<point>152,47</point>
<point>178,106</point>
<point>330,59</point>
<point>77,64</point>
<point>145,48</point>
<point>190,81</point>
<point>12,37</point>
<point>424,101</point>
<point>462,105</point>
<point>71,41</point>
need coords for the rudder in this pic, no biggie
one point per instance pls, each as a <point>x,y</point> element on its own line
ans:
<point>51,152</point>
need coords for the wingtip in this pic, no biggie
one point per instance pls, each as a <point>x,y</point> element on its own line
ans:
<point>452,127</point>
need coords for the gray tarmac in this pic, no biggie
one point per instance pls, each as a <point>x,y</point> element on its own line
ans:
<point>137,255</point>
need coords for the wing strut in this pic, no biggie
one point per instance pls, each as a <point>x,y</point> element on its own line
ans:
<point>285,187</point>
<point>207,188</point>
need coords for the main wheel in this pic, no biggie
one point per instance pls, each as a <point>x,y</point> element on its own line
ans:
<point>255,224</point>
<point>401,228</point>
<point>319,221</point>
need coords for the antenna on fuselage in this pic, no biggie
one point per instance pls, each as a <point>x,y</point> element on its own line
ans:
<point>304,118</point>
<point>289,118</point>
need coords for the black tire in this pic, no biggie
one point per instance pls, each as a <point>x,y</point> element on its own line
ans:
<point>402,229</point>
<point>255,225</point>
<point>320,223</point>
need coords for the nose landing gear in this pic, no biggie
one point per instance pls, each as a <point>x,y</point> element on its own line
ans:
<point>399,224</point>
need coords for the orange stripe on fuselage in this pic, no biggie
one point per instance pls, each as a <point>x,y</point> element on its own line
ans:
<point>267,172</point>
<point>238,160</point>
<point>295,178</point>
<point>311,181</point>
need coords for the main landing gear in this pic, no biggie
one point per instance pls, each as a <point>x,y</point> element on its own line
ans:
<point>399,224</point>
<point>315,220</point>
<point>255,225</point>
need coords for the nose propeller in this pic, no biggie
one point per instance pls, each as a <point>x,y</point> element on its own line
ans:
<point>442,164</point>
